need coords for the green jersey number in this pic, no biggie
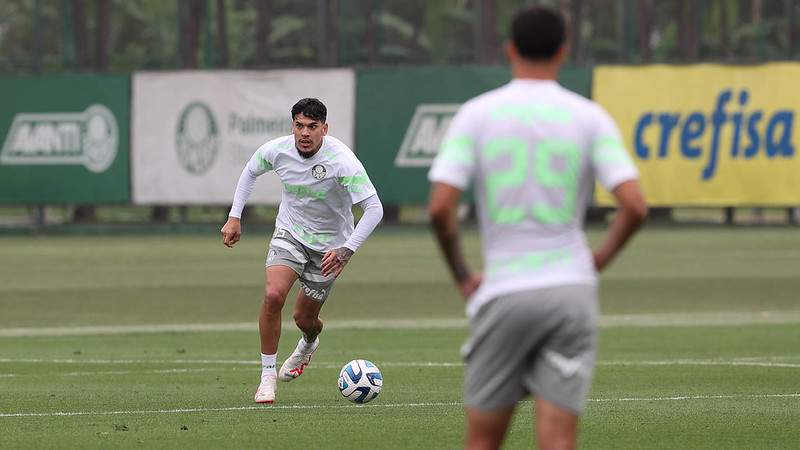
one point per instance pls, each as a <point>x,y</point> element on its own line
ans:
<point>543,173</point>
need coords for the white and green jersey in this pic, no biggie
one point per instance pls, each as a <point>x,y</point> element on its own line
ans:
<point>532,151</point>
<point>318,192</point>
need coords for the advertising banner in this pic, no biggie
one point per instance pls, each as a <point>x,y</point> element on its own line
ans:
<point>64,139</point>
<point>708,135</point>
<point>194,131</point>
<point>403,114</point>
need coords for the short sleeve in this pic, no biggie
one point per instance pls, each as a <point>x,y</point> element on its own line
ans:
<point>355,180</point>
<point>610,159</point>
<point>262,160</point>
<point>456,160</point>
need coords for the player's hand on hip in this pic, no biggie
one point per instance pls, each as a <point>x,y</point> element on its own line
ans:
<point>231,231</point>
<point>334,261</point>
<point>469,285</point>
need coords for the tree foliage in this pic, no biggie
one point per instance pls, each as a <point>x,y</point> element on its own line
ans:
<point>39,35</point>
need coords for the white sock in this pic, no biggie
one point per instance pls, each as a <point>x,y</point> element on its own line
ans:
<point>268,364</point>
<point>305,347</point>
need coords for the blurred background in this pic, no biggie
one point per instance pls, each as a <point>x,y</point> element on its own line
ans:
<point>56,36</point>
<point>391,61</point>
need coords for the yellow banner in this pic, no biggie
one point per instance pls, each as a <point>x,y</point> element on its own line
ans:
<point>706,134</point>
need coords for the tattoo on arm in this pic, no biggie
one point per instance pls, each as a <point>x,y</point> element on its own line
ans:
<point>343,255</point>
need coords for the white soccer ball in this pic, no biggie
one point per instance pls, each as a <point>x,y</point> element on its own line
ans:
<point>360,381</point>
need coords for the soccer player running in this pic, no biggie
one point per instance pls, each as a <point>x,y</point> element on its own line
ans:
<point>314,234</point>
<point>532,150</point>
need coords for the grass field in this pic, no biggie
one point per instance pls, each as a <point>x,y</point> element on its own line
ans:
<point>150,341</point>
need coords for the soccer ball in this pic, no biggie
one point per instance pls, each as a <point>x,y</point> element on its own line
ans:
<point>360,381</point>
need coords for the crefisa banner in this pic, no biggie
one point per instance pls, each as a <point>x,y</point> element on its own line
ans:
<point>193,132</point>
<point>708,135</point>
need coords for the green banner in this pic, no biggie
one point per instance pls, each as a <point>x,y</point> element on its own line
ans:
<point>402,115</point>
<point>64,139</point>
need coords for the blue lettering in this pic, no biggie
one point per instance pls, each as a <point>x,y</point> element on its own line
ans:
<point>737,125</point>
<point>642,151</point>
<point>752,132</point>
<point>784,144</point>
<point>668,122</point>
<point>691,128</point>
<point>717,119</point>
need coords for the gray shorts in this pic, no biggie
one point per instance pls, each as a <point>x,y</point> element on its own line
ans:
<point>540,342</point>
<point>285,250</point>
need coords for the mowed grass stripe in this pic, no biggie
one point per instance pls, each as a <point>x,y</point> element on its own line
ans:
<point>616,320</point>
<point>388,405</point>
<point>681,362</point>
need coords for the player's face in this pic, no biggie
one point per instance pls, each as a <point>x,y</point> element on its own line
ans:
<point>308,134</point>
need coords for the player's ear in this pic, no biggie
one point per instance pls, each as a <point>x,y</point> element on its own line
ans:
<point>510,51</point>
<point>325,128</point>
<point>562,53</point>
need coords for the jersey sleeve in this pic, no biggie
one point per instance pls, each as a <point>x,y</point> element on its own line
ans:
<point>455,162</point>
<point>259,164</point>
<point>262,160</point>
<point>610,159</point>
<point>355,180</point>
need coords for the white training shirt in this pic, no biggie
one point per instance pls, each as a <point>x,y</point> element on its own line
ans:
<point>532,151</point>
<point>318,192</point>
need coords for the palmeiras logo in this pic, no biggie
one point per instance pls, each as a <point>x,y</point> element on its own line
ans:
<point>424,134</point>
<point>88,138</point>
<point>318,171</point>
<point>197,138</point>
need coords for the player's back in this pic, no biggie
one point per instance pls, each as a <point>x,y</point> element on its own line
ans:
<point>527,147</point>
<point>533,175</point>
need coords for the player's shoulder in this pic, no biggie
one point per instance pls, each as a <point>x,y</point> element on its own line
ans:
<point>482,105</point>
<point>277,145</point>
<point>480,102</point>
<point>337,151</point>
<point>580,103</point>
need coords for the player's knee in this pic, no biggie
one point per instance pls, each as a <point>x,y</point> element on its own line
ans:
<point>274,299</point>
<point>305,321</point>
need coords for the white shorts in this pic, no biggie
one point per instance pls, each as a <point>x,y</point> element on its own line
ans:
<point>285,250</point>
<point>540,342</point>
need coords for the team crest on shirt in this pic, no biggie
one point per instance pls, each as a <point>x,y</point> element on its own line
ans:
<point>318,171</point>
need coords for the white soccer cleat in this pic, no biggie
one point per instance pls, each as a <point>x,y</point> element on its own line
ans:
<point>294,365</point>
<point>266,390</point>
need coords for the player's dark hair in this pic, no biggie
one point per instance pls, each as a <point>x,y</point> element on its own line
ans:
<point>538,32</point>
<point>311,108</point>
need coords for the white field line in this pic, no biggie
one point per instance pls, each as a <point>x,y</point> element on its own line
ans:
<point>700,363</point>
<point>377,405</point>
<point>734,363</point>
<point>620,320</point>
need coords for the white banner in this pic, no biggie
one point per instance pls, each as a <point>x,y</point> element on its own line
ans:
<point>193,132</point>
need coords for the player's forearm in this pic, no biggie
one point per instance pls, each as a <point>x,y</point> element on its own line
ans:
<point>247,180</point>
<point>630,215</point>
<point>442,206</point>
<point>622,228</point>
<point>447,235</point>
<point>373,213</point>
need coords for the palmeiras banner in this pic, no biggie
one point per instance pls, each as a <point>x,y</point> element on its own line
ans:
<point>193,132</point>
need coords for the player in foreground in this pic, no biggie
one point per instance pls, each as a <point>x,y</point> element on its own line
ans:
<point>532,150</point>
<point>314,235</point>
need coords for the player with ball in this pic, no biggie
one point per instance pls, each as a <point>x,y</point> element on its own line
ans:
<point>314,233</point>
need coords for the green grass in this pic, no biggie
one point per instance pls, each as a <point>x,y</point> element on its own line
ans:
<point>150,340</point>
